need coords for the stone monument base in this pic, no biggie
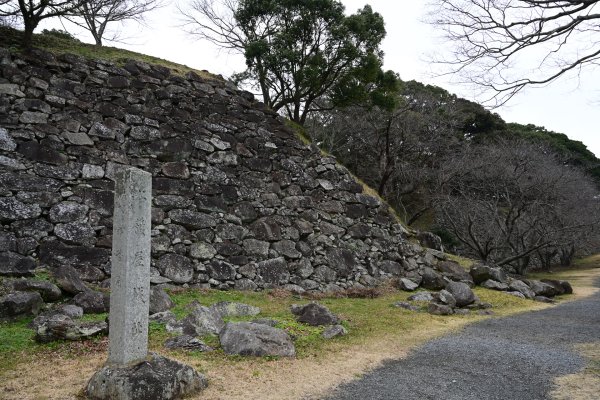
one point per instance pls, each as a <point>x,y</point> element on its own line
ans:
<point>156,378</point>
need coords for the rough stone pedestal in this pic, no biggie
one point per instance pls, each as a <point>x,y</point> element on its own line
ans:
<point>157,378</point>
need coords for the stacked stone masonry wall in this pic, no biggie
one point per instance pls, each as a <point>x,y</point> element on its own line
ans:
<point>238,200</point>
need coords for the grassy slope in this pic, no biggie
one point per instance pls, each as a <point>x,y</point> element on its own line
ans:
<point>61,44</point>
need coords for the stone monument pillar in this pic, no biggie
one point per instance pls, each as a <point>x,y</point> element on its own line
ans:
<point>130,271</point>
<point>130,372</point>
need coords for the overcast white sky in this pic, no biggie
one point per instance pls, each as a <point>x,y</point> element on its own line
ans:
<point>569,106</point>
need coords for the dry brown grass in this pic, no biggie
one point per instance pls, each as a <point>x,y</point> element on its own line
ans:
<point>584,385</point>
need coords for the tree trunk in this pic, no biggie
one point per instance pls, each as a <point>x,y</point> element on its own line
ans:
<point>28,35</point>
<point>566,256</point>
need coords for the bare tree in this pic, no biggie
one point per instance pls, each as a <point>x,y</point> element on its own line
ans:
<point>95,15</point>
<point>516,204</point>
<point>492,38</point>
<point>33,12</point>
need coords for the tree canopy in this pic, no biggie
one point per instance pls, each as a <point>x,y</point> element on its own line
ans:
<point>299,52</point>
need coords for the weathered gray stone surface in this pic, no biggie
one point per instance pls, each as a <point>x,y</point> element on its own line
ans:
<point>521,287</point>
<point>239,201</point>
<point>49,291</point>
<point>130,280</point>
<point>492,284</point>
<point>439,309</point>
<point>249,339</point>
<point>62,327</point>
<point>68,280</point>
<point>334,331</point>
<point>314,314</point>
<point>20,303</point>
<point>187,342</point>
<point>232,309</point>
<point>421,296</point>
<point>13,264</point>
<point>156,378</point>
<point>407,285</point>
<point>92,302</point>
<point>159,301</point>
<point>202,321</point>
<point>461,292</point>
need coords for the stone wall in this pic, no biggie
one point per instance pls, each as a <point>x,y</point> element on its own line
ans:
<point>238,200</point>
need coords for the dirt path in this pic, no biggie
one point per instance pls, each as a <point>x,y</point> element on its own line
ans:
<point>517,357</point>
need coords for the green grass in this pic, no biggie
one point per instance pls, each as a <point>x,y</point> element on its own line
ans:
<point>59,43</point>
<point>464,262</point>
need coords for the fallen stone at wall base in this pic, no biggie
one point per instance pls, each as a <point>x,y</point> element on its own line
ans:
<point>156,378</point>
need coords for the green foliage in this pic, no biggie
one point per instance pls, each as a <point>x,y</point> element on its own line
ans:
<point>60,34</point>
<point>574,151</point>
<point>299,51</point>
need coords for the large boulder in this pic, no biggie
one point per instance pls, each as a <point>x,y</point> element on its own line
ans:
<point>92,302</point>
<point>498,275</point>
<point>250,339</point>
<point>202,321</point>
<point>494,285</point>
<point>432,280</point>
<point>407,285</point>
<point>159,300</point>
<point>49,291</point>
<point>68,279</point>
<point>542,289</point>
<point>520,286</point>
<point>314,314</point>
<point>156,378</point>
<point>444,297</point>
<point>232,309</point>
<point>461,292</point>
<point>454,271</point>
<point>480,273</point>
<point>20,303</point>
<point>13,264</point>
<point>62,327</point>
<point>561,287</point>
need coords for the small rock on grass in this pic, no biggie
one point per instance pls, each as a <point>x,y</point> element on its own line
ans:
<point>61,327</point>
<point>421,296</point>
<point>314,314</point>
<point>439,309</point>
<point>187,342</point>
<point>406,306</point>
<point>232,309</point>
<point>248,339</point>
<point>334,331</point>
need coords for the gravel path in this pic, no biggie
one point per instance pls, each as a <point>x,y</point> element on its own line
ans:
<point>515,357</point>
